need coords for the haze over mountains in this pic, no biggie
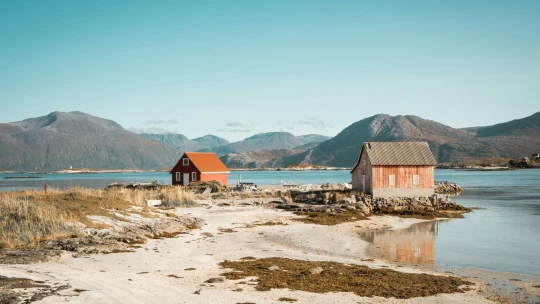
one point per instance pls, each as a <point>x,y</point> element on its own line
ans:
<point>182,143</point>
<point>271,140</point>
<point>60,140</point>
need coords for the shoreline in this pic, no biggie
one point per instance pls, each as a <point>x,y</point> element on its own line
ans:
<point>234,228</point>
<point>160,269</point>
<point>95,171</point>
<point>98,171</point>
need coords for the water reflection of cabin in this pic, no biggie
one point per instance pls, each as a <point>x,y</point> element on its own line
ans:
<point>393,169</point>
<point>415,245</point>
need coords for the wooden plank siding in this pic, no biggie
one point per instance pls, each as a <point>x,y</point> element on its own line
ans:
<point>404,176</point>
<point>400,160</point>
<point>364,168</point>
<point>221,177</point>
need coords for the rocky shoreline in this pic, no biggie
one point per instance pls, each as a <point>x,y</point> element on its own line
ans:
<point>347,201</point>
<point>444,187</point>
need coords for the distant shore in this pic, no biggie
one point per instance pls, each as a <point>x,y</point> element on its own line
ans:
<point>475,168</point>
<point>98,171</point>
<point>292,169</point>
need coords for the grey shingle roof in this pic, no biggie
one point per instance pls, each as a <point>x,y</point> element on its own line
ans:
<point>399,153</point>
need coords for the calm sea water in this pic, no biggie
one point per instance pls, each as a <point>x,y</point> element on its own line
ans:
<point>504,235</point>
<point>100,180</point>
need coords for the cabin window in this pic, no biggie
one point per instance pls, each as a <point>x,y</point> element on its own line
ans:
<point>193,176</point>
<point>415,180</point>
<point>391,180</point>
<point>185,161</point>
<point>177,176</point>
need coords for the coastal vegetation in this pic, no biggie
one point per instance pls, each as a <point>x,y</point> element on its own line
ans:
<point>325,218</point>
<point>323,277</point>
<point>30,216</point>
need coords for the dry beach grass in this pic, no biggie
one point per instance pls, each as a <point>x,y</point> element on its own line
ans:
<point>30,216</point>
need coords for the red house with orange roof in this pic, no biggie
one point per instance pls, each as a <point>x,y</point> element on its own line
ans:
<point>199,166</point>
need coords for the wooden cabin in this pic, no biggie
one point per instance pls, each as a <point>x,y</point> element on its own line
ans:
<point>199,166</point>
<point>394,169</point>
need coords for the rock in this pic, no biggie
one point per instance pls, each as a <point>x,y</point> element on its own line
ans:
<point>215,280</point>
<point>198,291</point>
<point>9,298</point>
<point>273,267</point>
<point>315,270</point>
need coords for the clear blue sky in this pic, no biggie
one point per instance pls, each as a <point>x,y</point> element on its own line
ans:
<point>236,68</point>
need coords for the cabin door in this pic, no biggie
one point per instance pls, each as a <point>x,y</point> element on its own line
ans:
<point>363,183</point>
<point>186,179</point>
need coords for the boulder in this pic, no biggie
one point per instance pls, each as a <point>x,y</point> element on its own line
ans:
<point>315,270</point>
<point>215,280</point>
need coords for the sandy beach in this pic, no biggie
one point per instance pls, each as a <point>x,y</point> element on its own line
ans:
<point>174,270</point>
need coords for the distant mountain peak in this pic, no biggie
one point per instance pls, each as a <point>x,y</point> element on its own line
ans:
<point>62,139</point>
<point>269,134</point>
<point>182,143</point>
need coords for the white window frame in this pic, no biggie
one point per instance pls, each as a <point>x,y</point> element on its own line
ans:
<point>185,161</point>
<point>416,180</point>
<point>391,180</point>
<point>178,175</point>
<point>193,176</point>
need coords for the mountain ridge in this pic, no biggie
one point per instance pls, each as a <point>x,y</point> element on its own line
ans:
<point>268,140</point>
<point>447,144</point>
<point>181,143</point>
<point>62,139</point>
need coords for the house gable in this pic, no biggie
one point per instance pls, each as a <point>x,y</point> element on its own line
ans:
<point>199,166</point>
<point>395,169</point>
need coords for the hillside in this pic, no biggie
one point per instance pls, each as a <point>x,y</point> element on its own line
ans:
<point>528,126</point>
<point>448,144</point>
<point>257,158</point>
<point>271,140</point>
<point>183,144</point>
<point>343,149</point>
<point>60,140</point>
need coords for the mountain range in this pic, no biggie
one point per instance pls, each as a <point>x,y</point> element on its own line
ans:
<point>60,140</point>
<point>271,140</point>
<point>182,143</point>
<point>507,140</point>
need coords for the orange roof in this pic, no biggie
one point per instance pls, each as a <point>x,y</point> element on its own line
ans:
<point>207,162</point>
